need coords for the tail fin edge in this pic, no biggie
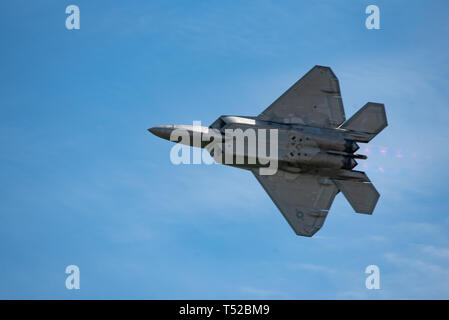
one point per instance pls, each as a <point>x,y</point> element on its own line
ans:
<point>362,196</point>
<point>367,122</point>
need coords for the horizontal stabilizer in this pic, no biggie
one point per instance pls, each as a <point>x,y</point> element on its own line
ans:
<point>370,119</point>
<point>362,196</point>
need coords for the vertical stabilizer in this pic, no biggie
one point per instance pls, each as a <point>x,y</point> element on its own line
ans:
<point>370,120</point>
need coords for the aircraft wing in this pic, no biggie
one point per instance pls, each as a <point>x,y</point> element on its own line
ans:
<point>314,100</point>
<point>303,199</point>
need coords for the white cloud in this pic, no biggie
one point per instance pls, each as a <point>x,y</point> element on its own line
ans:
<point>416,277</point>
<point>314,268</point>
<point>436,251</point>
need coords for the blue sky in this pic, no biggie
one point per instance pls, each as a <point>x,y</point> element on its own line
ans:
<point>82,182</point>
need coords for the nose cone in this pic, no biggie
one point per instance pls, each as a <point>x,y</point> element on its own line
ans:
<point>162,131</point>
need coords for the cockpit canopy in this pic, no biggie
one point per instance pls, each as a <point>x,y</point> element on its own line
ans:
<point>223,121</point>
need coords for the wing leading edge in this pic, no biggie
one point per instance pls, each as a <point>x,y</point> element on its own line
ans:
<point>314,100</point>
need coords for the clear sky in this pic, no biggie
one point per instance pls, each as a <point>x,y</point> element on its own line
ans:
<point>82,182</point>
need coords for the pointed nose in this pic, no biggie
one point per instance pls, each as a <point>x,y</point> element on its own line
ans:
<point>162,131</point>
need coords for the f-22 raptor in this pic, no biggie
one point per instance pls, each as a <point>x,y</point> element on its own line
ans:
<point>316,148</point>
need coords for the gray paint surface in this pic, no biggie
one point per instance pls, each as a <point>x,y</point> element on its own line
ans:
<point>316,149</point>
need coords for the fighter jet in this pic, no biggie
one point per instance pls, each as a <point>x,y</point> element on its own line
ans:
<point>315,149</point>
